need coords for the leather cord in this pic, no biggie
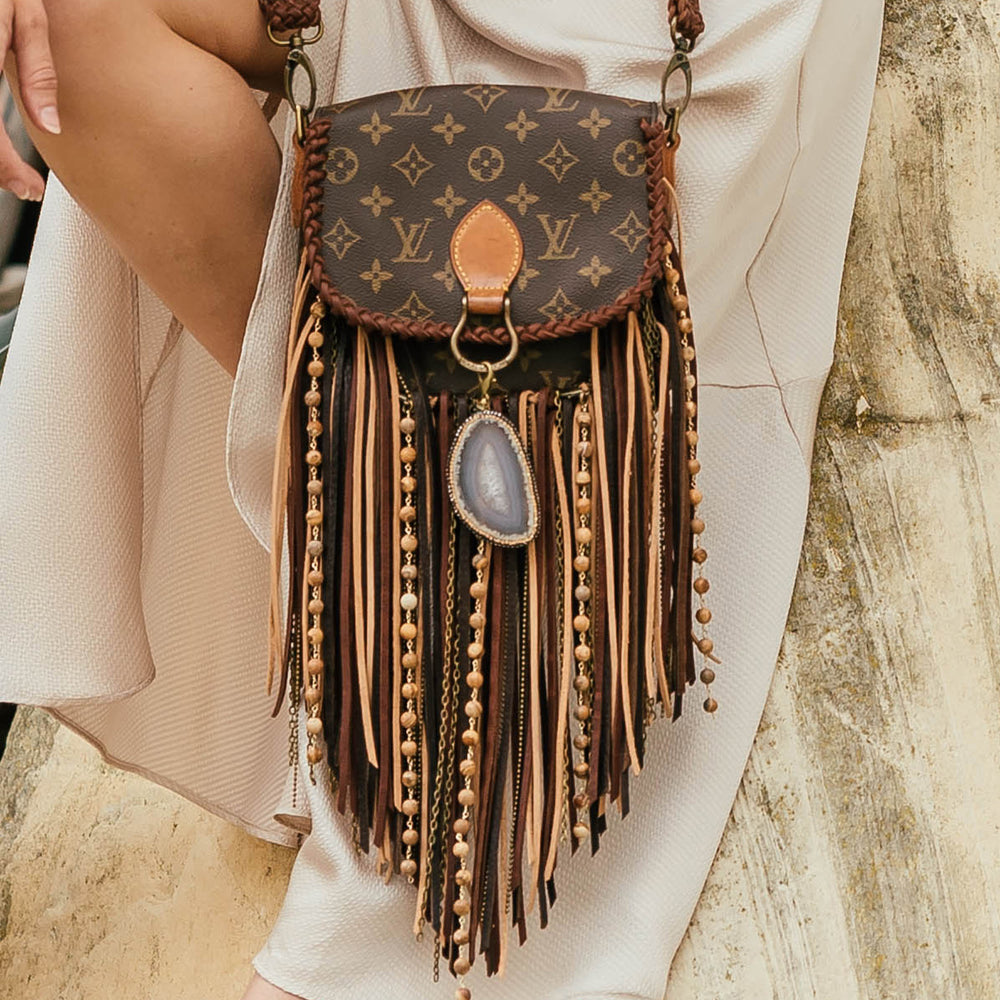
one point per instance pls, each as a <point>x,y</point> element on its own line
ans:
<point>284,15</point>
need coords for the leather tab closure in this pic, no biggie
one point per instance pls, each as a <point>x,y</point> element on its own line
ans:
<point>486,254</point>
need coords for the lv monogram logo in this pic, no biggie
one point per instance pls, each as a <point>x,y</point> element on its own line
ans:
<point>556,101</point>
<point>558,231</point>
<point>409,104</point>
<point>411,237</point>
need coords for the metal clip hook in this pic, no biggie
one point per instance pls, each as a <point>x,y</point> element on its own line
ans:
<point>673,110</point>
<point>481,367</point>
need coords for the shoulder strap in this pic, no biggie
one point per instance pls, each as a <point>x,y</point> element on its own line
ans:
<point>286,15</point>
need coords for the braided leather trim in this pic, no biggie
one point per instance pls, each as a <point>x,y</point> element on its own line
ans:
<point>314,154</point>
<point>690,23</point>
<point>283,15</point>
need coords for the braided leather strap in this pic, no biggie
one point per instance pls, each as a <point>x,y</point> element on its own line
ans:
<point>283,15</point>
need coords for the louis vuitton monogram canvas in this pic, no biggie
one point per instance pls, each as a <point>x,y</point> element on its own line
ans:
<point>403,169</point>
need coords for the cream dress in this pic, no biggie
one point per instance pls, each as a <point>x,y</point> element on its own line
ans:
<point>135,479</point>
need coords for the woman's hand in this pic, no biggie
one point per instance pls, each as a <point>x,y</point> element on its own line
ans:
<point>24,38</point>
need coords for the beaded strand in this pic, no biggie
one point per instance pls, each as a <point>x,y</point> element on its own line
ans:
<point>314,544</point>
<point>408,633</point>
<point>583,652</point>
<point>467,767</point>
<point>701,585</point>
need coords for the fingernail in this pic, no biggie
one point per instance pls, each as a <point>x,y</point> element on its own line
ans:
<point>21,191</point>
<point>49,117</point>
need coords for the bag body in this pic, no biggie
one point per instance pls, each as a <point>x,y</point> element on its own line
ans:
<point>486,469</point>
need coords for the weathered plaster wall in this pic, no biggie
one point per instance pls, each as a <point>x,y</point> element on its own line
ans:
<point>862,860</point>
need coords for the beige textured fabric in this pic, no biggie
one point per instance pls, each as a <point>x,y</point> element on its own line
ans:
<point>133,592</point>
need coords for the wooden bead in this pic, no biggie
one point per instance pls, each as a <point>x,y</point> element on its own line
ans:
<point>408,601</point>
<point>705,645</point>
<point>461,936</point>
<point>460,907</point>
<point>315,547</point>
<point>474,678</point>
<point>673,276</point>
<point>408,719</point>
<point>460,849</point>
<point>408,483</point>
<point>703,615</point>
<point>581,623</point>
<point>581,769</point>
<point>462,965</point>
<point>315,635</point>
<point>314,666</point>
<point>585,417</point>
<point>694,466</point>
<point>408,748</point>
<point>411,807</point>
<point>697,525</point>
<point>312,398</point>
<point>582,592</point>
<point>707,676</point>
<point>461,825</point>
<point>582,712</point>
<point>463,877</point>
<point>585,448</point>
<point>690,381</point>
<point>408,454</point>
<point>313,696</point>
<point>314,577</point>
<point>314,516</point>
<point>408,690</point>
<point>314,487</point>
<point>475,650</point>
<point>408,543</point>
<point>580,830</point>
<point>315,606</point>
<point>687,353</point>
<point>314,427</point>
<point>480,561</point>
<point>581,741</point>
<point>315,367</point>
<point>582,652</point>
<point>470,738</point>
<point>408,572</point>
<point>408,867</point>
<point>584,505</point>
<point>314,726</point>
<point>696,497</point>
<point>478,590</point>
<point>407,425</point>
<point>581,682</point>
<point>581,564</point>
<point>409,779</point>
<point>685,325</point>
<point>583,477</point>
<point>466,797</point>
<point>701,585</point>
<point>690,409</point>
<point>409,661</point>
<point>467,768</point>
<point>407,514</point>
<point>691,437</point>
<point>477,619</point>
<point>411,836</point>
<point>580,800</point>
<point>699,555</point>
<point>314,754</point>
<point>408,630</point>
<point>710,705</point>
<point>315,338</point>
<point>583,535</point>
<point>473,708</point>
<point>679,302</point>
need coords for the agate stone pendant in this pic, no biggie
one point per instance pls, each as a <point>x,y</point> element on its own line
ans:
<point>490,481</point>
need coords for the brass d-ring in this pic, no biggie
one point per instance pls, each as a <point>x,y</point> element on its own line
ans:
<point>478,366</point>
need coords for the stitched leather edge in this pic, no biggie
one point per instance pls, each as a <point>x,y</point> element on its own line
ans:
<point>315,144</point>
<point>456,241</point>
